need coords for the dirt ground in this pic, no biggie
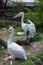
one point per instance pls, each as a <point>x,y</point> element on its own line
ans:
<point>35,48</point>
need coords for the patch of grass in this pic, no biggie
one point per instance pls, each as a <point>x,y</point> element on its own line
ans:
<point>2,52</point>
<point>37,38</point>
<point>36,60</point>
<point>3,23</point>
<point>19,28</point>
<point>40,56</point>
<point>40,29</point>
<point>13,63</point>
<point>28,62</point>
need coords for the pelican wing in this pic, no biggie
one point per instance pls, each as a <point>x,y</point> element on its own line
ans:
<point>16,50</point>
<point>31,28</point>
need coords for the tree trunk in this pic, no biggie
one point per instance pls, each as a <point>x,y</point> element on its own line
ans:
<point>5,7</point>
<point>1,3</point>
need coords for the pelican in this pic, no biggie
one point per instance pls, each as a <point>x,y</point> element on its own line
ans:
<point>28,28</point>
<point>14,49</point>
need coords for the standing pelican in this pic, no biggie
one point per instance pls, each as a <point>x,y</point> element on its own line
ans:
<point>14,49</point>
<point>28,28</point>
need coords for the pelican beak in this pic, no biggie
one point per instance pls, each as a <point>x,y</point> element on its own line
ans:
<point>7,32</point>
<point>17,15</point>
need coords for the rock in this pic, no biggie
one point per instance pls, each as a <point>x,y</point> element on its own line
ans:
<point>27,41</point>
<point>3,43</point>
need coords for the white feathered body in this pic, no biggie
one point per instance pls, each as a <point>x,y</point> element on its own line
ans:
<point>29,27</point>
<point>16,51</point>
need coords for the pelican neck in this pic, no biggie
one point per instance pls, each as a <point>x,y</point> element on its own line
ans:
<point>22,19</point>
<point>11,37</point>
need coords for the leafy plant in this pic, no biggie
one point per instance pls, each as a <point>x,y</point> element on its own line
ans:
<point>37,38</point>
<point>29,62</point>
<point>3,23</point>
<point>40,56</point>
<point>36,60</point>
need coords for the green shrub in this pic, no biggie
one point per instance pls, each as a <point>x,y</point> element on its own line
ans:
<point>29,62</point>
<point>36,60</point>
<point>37,38</point>
<point>3,23</point>
<point>40,29</point>
<point>40,56</point>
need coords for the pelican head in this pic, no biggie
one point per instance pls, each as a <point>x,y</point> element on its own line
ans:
<point>11,29</point>
<point>19,14</point>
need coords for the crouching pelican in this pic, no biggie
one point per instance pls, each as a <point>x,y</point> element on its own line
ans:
<point>14,49</point>
<point>28,28</point>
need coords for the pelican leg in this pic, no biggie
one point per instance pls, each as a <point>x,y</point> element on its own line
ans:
<point>27,34</point>
<point>9,58</point>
